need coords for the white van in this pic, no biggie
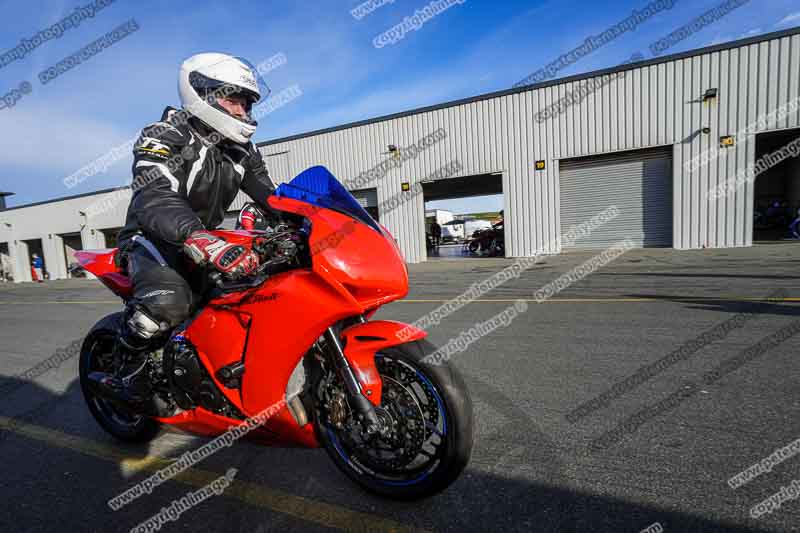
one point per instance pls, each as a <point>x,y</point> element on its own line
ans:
<point>459,230</point>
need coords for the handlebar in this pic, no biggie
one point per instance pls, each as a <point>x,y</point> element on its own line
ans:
<point>282,249</point>
<point>223,286</point>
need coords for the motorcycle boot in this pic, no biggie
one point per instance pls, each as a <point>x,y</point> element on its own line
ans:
<point>131,384</point>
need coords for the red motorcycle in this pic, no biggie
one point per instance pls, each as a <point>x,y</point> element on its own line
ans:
<point>295,340</point>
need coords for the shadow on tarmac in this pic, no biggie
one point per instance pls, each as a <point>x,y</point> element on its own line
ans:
<point>478,501</point>
<point>790,309</point>
<point>704,275</point>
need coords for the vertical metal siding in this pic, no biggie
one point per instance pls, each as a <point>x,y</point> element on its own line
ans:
<point>794,81</point>
<point>650,106</point>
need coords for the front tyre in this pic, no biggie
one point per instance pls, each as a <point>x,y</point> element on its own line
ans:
<point>427,412</point>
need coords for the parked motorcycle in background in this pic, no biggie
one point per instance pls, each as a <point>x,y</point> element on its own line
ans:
<point>75,270</point>
<point>488,242</point>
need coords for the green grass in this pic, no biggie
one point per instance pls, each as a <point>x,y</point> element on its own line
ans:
<point>488,215</point>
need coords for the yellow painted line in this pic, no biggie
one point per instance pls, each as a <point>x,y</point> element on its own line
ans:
<point>507,300</point>
<point>325,514</point>
<point>50,302</point>
<point>614,300</point>
<point>48,286</point>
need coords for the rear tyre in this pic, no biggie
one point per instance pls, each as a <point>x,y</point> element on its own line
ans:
<point>429,407</point>
<point>96,357</point>
<point>499,248</point>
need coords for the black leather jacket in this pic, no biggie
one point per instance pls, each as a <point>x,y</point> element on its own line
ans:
<point>186,177</point>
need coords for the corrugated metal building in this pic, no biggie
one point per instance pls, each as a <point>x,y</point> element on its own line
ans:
<point>629,142</point>
<point>652,117</point>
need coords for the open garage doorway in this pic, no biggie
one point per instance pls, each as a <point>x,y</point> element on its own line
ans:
<point>777,190</point>
<point>368,198</point>
<point>110,236</point>
<point>32,248</point>
<point>6,270</point>
<point>72,243</point>
<point>469,213</point>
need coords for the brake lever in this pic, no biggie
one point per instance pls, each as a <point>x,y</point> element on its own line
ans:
<point>272,262</point>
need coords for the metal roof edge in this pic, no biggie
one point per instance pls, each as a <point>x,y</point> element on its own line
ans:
<point>558,81</point>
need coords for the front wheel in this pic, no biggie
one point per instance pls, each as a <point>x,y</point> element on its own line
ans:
<point>426,419</point>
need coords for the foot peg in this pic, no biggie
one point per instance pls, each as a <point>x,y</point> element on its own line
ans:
<point>231,375</point>
<point>131,398</point>
<point>112,388</point>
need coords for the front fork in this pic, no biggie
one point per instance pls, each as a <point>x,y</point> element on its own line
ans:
<point>365,410</point>
<point>361,341</point>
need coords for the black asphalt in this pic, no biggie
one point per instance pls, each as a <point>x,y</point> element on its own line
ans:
<point>532,469</point>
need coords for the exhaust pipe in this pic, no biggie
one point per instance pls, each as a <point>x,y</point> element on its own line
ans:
<point>298,411</point>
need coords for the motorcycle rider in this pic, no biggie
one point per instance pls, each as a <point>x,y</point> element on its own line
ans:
<point>188,168</point>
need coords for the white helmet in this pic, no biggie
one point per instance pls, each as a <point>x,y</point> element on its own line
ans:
<point>203,77</point>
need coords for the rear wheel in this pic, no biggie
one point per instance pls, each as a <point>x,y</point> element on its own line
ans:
<point>426,416</point>
<point>96,356</point>
<point>498,248</point>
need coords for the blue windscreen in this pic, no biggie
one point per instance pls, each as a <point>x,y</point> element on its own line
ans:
<point>317,186</point>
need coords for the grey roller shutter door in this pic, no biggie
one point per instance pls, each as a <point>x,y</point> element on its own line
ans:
<point>639,183</point>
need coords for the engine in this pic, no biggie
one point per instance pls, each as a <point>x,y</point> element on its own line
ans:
<point>191,386</point>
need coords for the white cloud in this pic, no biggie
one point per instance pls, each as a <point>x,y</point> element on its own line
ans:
<point>789,19</point>
<point>50,139</point>
<point>754,31</point>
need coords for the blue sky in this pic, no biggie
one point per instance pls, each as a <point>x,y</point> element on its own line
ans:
<point>473,48</point>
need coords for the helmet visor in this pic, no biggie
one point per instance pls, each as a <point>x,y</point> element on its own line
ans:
<point>247,82</point>
<point>263,88</point>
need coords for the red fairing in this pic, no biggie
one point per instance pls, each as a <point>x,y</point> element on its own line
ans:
<point>102,264</point>
<point>365,265</point>
<point>355,269</point>
<point>283,328</point>
<point>363,340</point>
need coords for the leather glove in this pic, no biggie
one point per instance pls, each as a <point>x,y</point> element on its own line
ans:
<point>231,259</point>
